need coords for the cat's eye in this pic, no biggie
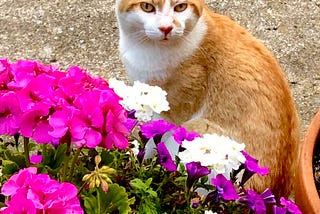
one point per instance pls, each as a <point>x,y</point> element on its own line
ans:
<point>181,7</point>
<point>147,7</point>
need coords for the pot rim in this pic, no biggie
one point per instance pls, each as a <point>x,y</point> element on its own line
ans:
<point>308,197</point>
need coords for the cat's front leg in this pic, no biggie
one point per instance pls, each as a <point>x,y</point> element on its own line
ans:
<point>203,125</point>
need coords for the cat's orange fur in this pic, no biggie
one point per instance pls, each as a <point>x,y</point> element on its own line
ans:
<point>236,87</point>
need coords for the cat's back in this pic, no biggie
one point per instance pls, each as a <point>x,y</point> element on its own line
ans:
<point>248,95</point>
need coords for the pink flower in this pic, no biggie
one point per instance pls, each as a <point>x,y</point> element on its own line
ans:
<point>34,123</point>
<point>35,159</point>
<point>23,72</point>
<point>10,113</point>
<point>18,181</point>
<point>39,194</point>
<point>61,121</point>
<point>39,89</point>
<point>19,204</point>
<point>5,74</point>
<point>116,131</point>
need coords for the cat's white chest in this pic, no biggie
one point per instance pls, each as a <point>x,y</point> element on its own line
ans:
<point>154,61</point>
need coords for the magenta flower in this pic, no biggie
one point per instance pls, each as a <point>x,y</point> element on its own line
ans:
<point>40,194</point>
<point>155,129</point>
<point>17,181</point>
<point>5,74</point>
<point>10,113</point>
<point>164,157</point>
<point>195,171</point>
<point>225,188</point>
<point>180,134</point>
<point>290,206</point>
<point>19,204</point>
<point>257,202</point>
<point>35,159</point>
<point>116,131</point>
<point>35,124</point>
<point>61,121</point>
<point>39,89</point>
<point>252,165</point>
<point>23,72</point>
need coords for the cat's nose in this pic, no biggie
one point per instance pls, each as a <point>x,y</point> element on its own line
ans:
<point>166,29</point>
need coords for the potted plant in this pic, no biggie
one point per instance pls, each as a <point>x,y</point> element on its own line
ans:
<point>306,193</point>
<point>102,143</point>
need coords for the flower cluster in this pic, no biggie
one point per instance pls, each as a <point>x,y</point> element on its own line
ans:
<point>147,102</point>
<point>103,143</point>
<point>48,105</point>
<point>38,193</point>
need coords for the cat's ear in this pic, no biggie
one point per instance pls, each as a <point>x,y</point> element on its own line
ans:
<point>197,5</point>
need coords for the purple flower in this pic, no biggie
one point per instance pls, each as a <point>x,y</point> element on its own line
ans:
<point>252,165</point>
<point>291,207</point>
<point>165,157</point>
<point>195,171</point>
<point>10,113</point>
<point>180,134</point>
<point>35,159</point>
<point>279,210</point>
<point>156,128</point>
<point>225,188</point>
<point>257,202</point>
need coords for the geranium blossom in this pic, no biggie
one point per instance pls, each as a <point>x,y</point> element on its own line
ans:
<point>40,194</point>
<point>10,113</point>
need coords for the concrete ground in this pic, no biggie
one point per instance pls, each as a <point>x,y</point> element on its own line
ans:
<point>85,33</point>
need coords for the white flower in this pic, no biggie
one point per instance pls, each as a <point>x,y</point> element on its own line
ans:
<point>209,212</point>
<point>219,153</point>
<point>148,101</point>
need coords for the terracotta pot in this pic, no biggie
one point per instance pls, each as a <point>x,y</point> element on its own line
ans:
<point>307,196</point>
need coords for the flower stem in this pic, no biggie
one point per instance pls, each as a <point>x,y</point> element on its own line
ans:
<point>65,165</point>
<point>73,163</point>
<point>26,150</point>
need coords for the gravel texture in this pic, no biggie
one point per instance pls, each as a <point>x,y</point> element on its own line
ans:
<point>85,33</point>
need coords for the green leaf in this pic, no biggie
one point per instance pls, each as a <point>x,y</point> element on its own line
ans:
<point>115,200</point>
<point>149,201</point>
<point>9,167</point>
<point>106,157</point>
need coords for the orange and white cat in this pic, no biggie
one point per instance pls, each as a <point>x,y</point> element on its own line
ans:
<point>219,78</point>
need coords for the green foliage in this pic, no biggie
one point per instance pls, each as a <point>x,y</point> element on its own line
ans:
<point>146,196</point>
<point>114,201</point>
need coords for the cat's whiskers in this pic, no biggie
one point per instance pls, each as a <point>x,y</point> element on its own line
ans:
<point>139,37</point>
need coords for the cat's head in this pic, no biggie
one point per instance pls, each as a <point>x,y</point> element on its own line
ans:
<point>158,20</point>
